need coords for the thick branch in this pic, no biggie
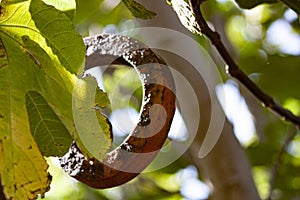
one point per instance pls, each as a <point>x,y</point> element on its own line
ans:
<point>234,70</point>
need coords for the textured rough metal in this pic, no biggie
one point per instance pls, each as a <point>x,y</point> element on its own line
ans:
<point>158,107</point>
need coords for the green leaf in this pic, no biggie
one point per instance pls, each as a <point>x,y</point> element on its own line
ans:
<point>3,56</point>
<point>39,48</point>
<point>138,10</point>
<point>23,169</point>
<point>48,130</point>
<point>94,131</point>
<point>186,16</point>
<point>62,5</point>
<point>246,4</point>
<point>59,33</point>
<point>66,6</point>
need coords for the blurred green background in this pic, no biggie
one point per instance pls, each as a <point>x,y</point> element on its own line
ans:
<point>265,41</point>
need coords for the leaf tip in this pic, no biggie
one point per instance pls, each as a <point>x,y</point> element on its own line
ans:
<point>138,10</point>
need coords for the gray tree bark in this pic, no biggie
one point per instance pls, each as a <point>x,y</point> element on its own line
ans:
<point>225,168</point>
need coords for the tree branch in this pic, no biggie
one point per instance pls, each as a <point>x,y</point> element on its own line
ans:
<point>234,70</point>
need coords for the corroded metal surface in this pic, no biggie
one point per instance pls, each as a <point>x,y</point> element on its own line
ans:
<point>158,107</point>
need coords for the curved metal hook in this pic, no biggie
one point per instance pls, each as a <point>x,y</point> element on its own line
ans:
<point>158,107</point>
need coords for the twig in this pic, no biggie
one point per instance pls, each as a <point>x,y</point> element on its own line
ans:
<point>234,70</point>
<point>276,166</point>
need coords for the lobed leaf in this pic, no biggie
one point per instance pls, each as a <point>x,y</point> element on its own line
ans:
<point>39,51</point>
